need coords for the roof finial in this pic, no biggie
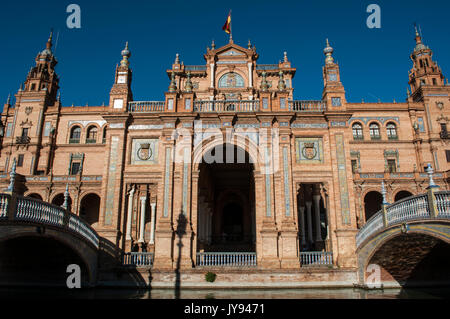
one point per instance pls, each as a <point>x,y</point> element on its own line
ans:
<point>429,170</point>
<point>328,51</point>
<point>213,44</point>
<point>125,56</point>
<point>65,205</point>
<point>177,59</point>
<point>285,58</point>
<point>249,44</point>
<point>383,192</point>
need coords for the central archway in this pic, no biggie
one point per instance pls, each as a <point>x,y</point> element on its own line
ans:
<point>226,200</point>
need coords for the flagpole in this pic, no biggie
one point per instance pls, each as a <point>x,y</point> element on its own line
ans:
<point>231,29</point>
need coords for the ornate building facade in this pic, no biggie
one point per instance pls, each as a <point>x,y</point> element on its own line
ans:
<point>229,161</point>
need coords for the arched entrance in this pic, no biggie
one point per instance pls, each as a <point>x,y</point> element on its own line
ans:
<point>372,203</point>
<point>58,200</point>
<point>226,201</point>
<point>35,195</point>
<point>90,208</point>
<point>401,195</point>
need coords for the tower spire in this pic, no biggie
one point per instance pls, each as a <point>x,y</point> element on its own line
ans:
<point>328,51</point>
<point>125,56</point>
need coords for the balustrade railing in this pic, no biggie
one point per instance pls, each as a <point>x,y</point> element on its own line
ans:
<point>4,201</point>
<point>138,259</point>
<point>307,106</point>
<point>227,106</point>
<point>316,258</point>
<point>34,210</point>
<point>408,209</point>
<point>226,259</point>
<point>443,203</point>
<point>195,68</point>
<point>146,106</point>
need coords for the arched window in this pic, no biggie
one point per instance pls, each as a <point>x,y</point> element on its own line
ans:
<point>104,135</point>
<point>357,131</point>
<point>391,130</point>
<point>91,135</point>
<point>75,134</point>
<point>231,80</point>
<point>374,131</point>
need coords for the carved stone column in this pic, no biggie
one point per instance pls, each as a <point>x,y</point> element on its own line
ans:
<point>152,223</point>
<point>130,212</point>
<point>142,223</point>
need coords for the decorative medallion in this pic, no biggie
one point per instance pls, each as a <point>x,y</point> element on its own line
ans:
<point>440,105</point>
<point>309,151</point>
<point>144,152</point>
<point>28,110</point>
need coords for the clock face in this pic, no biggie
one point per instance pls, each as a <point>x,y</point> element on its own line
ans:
<point>121,79</point>
<point>332,77</point>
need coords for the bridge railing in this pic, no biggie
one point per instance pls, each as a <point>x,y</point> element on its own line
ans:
<point>226,259</point>
<point>316,258</point>
<point>34,210</point>
<point>138,259</point>
<point>408,209</point>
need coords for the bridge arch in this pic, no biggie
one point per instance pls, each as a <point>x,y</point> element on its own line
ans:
<point>409,254</point>
<point>402,193</point>
<point>32,253</point>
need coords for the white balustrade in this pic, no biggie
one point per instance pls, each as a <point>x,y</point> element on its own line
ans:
<point>4,201</point>
<point>307,106</point>
<point>316,258</point>
<point>138,259</point>
<point>146,106</point>
<point>226,259</point>
<point>227,106</point>
<point>443,204</point>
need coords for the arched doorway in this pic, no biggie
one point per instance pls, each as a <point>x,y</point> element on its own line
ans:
<point>402,194</point>
<point>372,203</point>
<point>226,201</point>
<point>58,200</point>
<point>35,195</point>
<point>90,208</point>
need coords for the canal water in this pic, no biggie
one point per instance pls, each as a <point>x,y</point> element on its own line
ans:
<point>115,293</point>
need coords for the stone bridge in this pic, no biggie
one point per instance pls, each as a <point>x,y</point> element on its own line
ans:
<point>409,240</point>
<point>40,240</point>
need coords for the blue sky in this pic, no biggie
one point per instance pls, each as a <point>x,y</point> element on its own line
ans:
<point>374,62</point>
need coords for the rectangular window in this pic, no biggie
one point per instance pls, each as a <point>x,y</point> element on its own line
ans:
<point>170,104</point>
<point>47,127</point>
<point>8,129</point>
<point>20,160</point>
<point>282,103</point>
<point>187,104</point>
<point>336,101</point>
<point>392,168</point>
<point>75,168</point>
<point>25,132</point>
<point>354,166</point>
<point>265,103</point>
<point>447,154</point>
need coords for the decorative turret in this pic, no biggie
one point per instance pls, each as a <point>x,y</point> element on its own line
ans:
<point>173,84</point>
<point>281,83</point>
<point>425,71</point>
<point>333,92</point>
<point>188,85</point>
<point>121,93</point>
<point>264,83</point>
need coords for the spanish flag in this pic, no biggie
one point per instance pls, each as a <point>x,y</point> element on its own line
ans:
<point>227,26</point>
